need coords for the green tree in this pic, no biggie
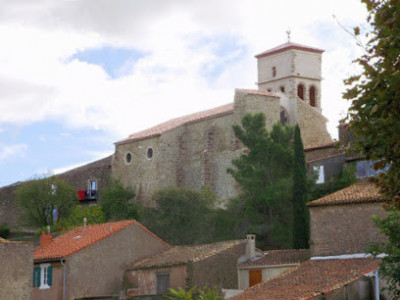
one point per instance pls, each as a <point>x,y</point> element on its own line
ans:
<point>45,201</point>
<point>264,173</point>
<point>194,293</point>
<point>118,202</point>
<point>93,215</point>
<point>301,217</point>
<point>374,117</point>
<point>374,114</point>
<point>183,216</point>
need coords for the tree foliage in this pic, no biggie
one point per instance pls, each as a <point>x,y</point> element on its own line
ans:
<point>183,216</point>
<point>93,215</point>
<point>44,201</point>
<point>194,293</point>
<point>374,117</point>
<point>264,173</point>
<point>118,202</point>
<point>374,114</point>
<point>301,217</point>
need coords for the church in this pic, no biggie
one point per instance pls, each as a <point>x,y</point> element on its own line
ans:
<point>197,149</point>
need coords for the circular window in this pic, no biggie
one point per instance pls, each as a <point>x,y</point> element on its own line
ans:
<point>128,158</point>
<point>149,153</point>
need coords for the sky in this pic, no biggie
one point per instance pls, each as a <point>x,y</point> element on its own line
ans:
<point>78,76</point>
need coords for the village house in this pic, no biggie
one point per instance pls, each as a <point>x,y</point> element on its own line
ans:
<point>209,265</point>
<point>257,266</point>
<point>90,260</point>
<point>341,227</point>
<point>16,260</point>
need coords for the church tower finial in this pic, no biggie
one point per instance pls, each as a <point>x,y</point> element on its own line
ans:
<point>288,35</point>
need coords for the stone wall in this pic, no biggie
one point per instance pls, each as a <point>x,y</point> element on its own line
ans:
<point>144,282</point>
<point>78,178</point>
<point>312,125</point>
<point>344,229</point>
<point>16,267</point>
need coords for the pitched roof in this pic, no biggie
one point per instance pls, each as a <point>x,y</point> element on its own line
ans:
<point>310,279</point>
<point>323,151</point>
<point>174,123</point>
<point>179,255</point>
<point>278,257</point>
<point>196,117</point>
<point>288,46</point>
<point>80,238</point>
<point>3,240</point>
<point>359,192</point>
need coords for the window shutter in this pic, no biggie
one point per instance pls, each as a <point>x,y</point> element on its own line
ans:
<point>34,277</point>
<point>50,275</point>
<point>38,276</point>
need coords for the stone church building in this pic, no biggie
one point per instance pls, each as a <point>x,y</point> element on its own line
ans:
<point>196,150</point>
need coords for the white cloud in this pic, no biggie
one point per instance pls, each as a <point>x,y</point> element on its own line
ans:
<point>38,82</point>
<point>10,152</point>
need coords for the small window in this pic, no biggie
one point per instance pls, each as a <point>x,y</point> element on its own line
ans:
<point>300,91</point>
<point>273,71</point>
<point>149,153</point>
<point>319,170</point>
<point>282,88</point>
<point>162,283</point>
<point>128,158</point>
<point>284,116</point>
<point>43,276</point>
<point>312,96</point>
<point>269,90</point>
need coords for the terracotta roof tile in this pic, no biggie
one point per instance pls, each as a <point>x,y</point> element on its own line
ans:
<point>184,254</point>
<point>80,238</point>
<point>278,257</point>
<point>174,123</point>
<point>322,151</point>
<point>357,193</point>
<point>310,279</point>
<point>288,46</point>
<point>3,240</point>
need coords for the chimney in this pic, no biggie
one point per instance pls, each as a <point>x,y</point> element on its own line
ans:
<point>45,239</point>
<point>251,246</point>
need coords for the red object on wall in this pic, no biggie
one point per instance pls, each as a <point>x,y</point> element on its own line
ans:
<point>81,194</point>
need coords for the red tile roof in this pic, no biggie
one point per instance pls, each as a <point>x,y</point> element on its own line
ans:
<point>278,257</point>
<point>357,193</point>
<point>179,255</point>
<point>80,238</point>
<point>174,123</point>
<point>288,46</point>
<point>312,278</point>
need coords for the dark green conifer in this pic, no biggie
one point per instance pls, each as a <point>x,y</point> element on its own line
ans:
<point>301,218</point>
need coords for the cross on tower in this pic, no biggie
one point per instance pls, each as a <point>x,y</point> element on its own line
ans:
<point>288,35</point>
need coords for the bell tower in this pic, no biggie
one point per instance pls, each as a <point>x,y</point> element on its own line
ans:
<point>292,69</point>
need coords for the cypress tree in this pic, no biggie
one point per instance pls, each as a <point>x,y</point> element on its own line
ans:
<point>301,218</point>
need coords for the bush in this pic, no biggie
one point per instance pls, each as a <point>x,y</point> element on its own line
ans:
<point>4,231</point>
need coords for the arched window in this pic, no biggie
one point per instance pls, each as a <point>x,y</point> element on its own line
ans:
<point>273,71</point>
<point>284,116</point>
<point>312,96</point>
<point>300,91</point>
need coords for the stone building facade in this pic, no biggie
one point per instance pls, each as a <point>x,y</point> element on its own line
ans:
<point>341,223</point>
<point>196,150</point>
<point>208,265</point>
<point>16,260</point>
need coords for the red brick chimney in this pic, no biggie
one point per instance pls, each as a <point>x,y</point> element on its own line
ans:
<point>45,239</point>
